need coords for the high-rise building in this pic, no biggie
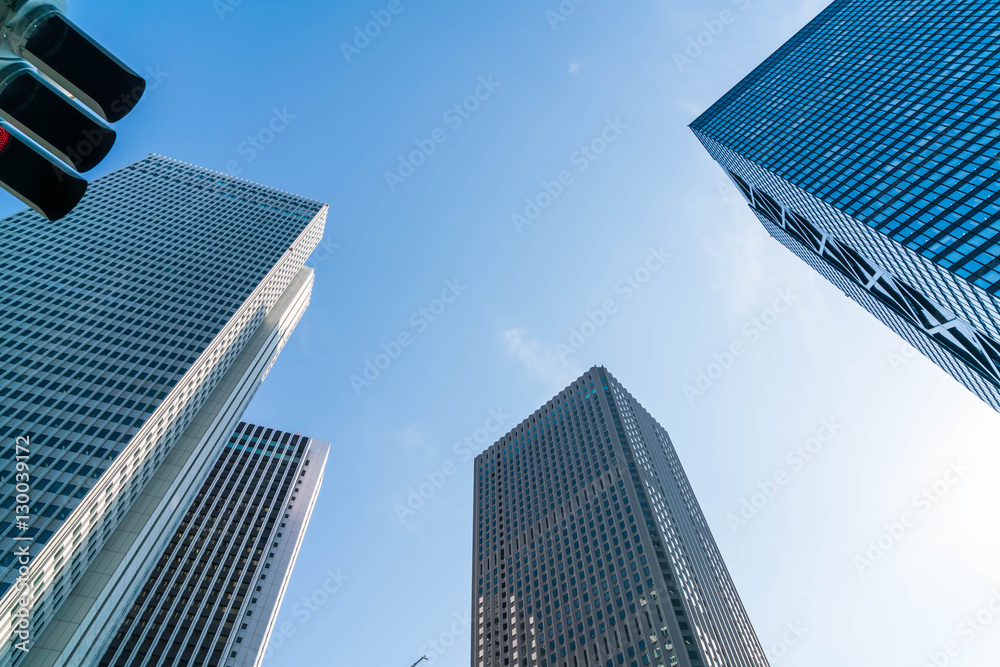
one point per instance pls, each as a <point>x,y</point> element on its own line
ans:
<point>590,550</point>
<point>867,145</point>
<point>133,334</point>
<point>215,591</point>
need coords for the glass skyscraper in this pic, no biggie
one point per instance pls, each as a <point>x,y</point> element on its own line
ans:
<point>133,334</point>
<point>590,549</point>
<point>215,591</point>
<point>868,145</point>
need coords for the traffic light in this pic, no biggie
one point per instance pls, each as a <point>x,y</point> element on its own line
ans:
<point>36,179</point>
<point>59,91</point>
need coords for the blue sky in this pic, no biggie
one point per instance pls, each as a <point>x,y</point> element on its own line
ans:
<point>608,76</point>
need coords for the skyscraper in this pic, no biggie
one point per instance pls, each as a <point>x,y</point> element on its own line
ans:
<point>133,334</point>
<point>590,550</point>
<point>216,588</point>
<point>867,145</point>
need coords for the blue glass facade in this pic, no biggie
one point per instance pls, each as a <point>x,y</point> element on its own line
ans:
<point>868,145</point>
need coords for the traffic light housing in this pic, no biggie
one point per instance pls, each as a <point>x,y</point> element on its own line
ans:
<point>59,91</point>
<point>37,180</point>
<point>42,113</point>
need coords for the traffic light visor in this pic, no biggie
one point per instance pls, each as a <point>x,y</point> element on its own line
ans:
<point>71,58</point>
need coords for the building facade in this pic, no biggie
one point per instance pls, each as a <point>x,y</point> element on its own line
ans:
<point>133,334</point>
<point>590,549</point>
<point>215,591</point>
<point>867,145</point>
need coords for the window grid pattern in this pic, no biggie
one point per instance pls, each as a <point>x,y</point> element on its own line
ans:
<point>565,535</point>
<point>714,618</point>
<point>879,124</point>
<point>956,323</point>
<point>218,574</point>
<point>114,600</point>
<point>118,322</point>
<point>888,110</point>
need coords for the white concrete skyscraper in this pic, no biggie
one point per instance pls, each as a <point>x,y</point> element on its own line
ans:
<point>133,334</point>
<point>215,591</point>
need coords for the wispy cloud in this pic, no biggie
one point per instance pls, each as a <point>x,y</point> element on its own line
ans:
<point>411,436</point>
<point>741,254</point>
<point>542,361</point>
